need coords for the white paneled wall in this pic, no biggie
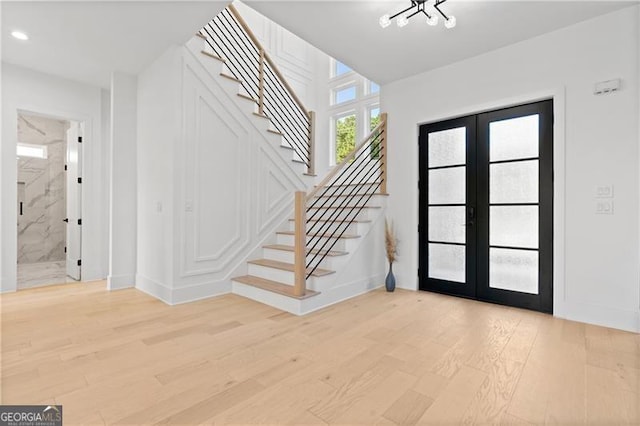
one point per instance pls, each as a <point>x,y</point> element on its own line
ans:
<point>224,184</point>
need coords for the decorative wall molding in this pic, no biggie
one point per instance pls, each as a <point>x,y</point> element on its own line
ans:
<point>235,180</point>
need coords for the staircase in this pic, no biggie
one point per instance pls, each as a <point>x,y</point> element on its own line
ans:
<point>304,266</point>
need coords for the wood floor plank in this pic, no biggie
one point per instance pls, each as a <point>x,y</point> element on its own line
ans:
<point>381,358</point>
<point>408,409</point>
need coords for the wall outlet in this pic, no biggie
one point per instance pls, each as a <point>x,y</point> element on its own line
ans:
<point>604,207</point>
<point>604,191</point>
<point>606,87</point>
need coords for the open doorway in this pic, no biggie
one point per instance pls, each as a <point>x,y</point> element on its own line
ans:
<point>49,200</point>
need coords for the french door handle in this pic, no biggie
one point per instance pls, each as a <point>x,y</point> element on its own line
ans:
<point>470,223</point>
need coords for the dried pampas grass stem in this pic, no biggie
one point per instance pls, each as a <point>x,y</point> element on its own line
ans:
<point>391,241</point>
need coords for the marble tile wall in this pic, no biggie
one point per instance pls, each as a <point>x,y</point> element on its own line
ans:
<point>42,185</point>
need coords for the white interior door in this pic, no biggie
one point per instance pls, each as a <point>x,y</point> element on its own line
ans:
<point>74,198</point>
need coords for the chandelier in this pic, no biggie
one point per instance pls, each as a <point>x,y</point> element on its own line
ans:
<point>417,7</point>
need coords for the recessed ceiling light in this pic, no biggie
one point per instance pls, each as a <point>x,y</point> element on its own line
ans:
<point>19,35</point>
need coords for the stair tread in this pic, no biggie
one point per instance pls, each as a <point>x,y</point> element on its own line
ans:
<point>348,195</point>
<point>346,207</point>
<point>346,236</point>
<point>337,221</point>
<point>202,36</point>
<point>260,115</point>
<point>275,132</point>
<point>349,184</point>
<point>230,77</point>
<point>211,55</point>
<point>319,272</point>
<point>273,286</point>
<point>285,247</point>
<point>247,97</point>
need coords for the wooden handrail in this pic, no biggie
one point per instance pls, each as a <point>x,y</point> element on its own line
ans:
<point>300,245</point>
<point>383,154</point>
<point>350,156</point>
<point>267,58</point>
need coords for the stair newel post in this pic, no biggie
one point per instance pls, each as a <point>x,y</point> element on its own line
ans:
<point>261,83</point>
<point>300,244</point>
<point>383,153</point>
<point>312,142</point>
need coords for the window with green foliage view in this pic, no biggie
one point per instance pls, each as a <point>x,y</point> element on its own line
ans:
<point>345,136</point>
<point>374,120</point>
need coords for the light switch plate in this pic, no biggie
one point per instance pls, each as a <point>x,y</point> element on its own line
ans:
<point>604,207</point>
<point>604,191</point>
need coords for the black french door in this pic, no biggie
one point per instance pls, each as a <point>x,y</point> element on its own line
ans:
<point>486,206</point>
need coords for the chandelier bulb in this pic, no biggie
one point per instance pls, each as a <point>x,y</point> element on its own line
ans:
<point>402,21</point>
<point>432,20</point>
<point>385,21</point>
<point>450,23</point>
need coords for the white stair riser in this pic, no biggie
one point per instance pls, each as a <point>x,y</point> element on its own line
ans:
<point>355,228</point>
<point>273,274</point>
<point>341,214</point>
<point>284,277</point>
<point>276,300</point>
<point>375,200</point>
<point>341,244</point>
<point>329,262</point>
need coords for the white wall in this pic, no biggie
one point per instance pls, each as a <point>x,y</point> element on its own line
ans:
<point>596,277</point>
<point>32,91</point>
<point>306,69</point>
<point>212,182</point>
<point>159,118</point>
<point>122,192</point>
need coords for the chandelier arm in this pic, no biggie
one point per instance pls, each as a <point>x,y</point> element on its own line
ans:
<point>426,14</point>
<point>403,11</point>
<point>439,11</point>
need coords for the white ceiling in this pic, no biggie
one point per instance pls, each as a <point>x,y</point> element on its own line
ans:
<point>85,41</point>
<point>349,30</point>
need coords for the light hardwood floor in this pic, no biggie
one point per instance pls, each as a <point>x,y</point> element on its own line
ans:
<point>401,358</point>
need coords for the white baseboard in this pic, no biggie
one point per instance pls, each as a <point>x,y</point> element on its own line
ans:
<point>627,320</point>
<point>200,291</point>
<point>153,288</point>
<point>176,296</point>
<point>8,284</point>
<point>119,282</point>
<point>342,293</point>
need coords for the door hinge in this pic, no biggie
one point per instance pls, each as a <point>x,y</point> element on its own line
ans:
<point>79,221</point>
<point>79,180</point>
<point>79,262</point>
<point>79,139</point>
<point>65,167</point>
<point>65,249</point>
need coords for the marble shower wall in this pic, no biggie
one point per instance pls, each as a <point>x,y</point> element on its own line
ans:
<point>42,186</point>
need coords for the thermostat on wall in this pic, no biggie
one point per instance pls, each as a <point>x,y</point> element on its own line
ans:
<point>606,87</point>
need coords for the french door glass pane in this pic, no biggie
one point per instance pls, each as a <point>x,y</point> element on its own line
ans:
<point>447,186</point>
<point>513,226</point>
<point>447,262</point>
<point>514,138</point>
<point>446,224</point>
<point>448,147</point>
<point>515,270</point>
<point>514,182</point>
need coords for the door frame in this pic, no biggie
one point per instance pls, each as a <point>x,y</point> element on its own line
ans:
<point>558,96</point>
<point>85,125</point>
